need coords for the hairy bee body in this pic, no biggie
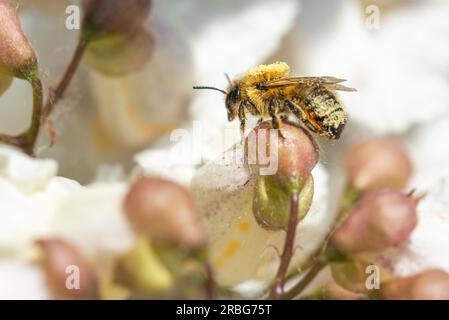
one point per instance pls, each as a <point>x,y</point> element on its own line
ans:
<point>269,91</point>
<point>327,114</point>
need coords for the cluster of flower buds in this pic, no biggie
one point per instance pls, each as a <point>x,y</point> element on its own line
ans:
<point>17,57</point>
<point>68,274</point>
<point>295,154</point>
<point>381,215</point>
<point>169,235</point>
<point>118,42</point>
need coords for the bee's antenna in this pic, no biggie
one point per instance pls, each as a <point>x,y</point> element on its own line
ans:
<point>210,88</point>
<point>228,78</point>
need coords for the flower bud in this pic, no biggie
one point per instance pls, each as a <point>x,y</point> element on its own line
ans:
<point>120,54</point>
<point>283,165</point>
<point>377,163</point>
<point>164,211</point>
<point>68,274</point>
<point>293,156</point>
<point>103,17</point>
<point>428,285</point>
<point>381,218</point>
<point>271,203</point>
<point>350,275</point>
<point>334,291</point>
<point>17,57</point>
<point>141,271</point>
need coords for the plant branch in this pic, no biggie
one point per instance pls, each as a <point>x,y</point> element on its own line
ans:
<point>58,93</point>
<point>319,259</point>
<point>211,292</point>
<point>287,253</point>
<point>27,140</point>
<point>305,281</point>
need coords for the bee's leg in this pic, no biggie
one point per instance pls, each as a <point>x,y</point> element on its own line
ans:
<point>276,122</point>
<point>259,121</point>
<point>242,119</point>
<point>301,115</point>
<point>251,108</point>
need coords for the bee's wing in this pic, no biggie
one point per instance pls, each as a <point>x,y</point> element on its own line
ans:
<point>331,82</point>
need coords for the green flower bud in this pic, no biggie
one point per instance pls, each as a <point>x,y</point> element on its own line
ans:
<point>68,274</point>
<point>333,291</point>
<point>17,57</point>
<point>120,54</point>
<point>141,271</point>
<point>271,202</point>
<point>288,161</point>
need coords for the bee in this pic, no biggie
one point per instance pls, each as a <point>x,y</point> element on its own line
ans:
<point>269,91</point>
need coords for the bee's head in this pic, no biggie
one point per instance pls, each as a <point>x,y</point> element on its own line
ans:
<point>233,101</point>
<point>232,97</point>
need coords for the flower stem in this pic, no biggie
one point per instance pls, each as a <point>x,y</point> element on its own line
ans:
<point>278,287</point>
<point>305,281</point>
<point>58,93</point>
<point>211,292</point>
<point>27,140</point>
<point>320,258</point>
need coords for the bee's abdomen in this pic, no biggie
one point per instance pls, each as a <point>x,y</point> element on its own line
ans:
<point>325,109</point>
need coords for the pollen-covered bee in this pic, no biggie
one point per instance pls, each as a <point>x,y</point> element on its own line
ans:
<point>269,91</point>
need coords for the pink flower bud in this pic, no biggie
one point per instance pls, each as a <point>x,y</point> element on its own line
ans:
<point>428,285</point>
<point>382,218</point>
<point>68,274</point>
<point>164,211</point>
<point>17,57</point>
<point>103,17</point>
<point>283,165</point>
<point>377,163</point>
<point>296,153</point>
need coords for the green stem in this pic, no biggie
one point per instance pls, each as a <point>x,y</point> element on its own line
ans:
<point>278,287</point>
<point>27,140</point>
<point>347,202</point>
<point>211,289</point>
<point>59,91</point>
<point>305,281</point>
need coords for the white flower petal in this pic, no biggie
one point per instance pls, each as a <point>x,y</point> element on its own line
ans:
<point>398,78</point>
<point>429,151</point>
<point>28,174</point>
<point>20,280</point>
<point>92,219</point>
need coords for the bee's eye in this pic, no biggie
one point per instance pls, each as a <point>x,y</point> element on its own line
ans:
<point>235,94</point>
